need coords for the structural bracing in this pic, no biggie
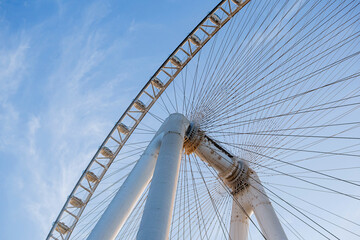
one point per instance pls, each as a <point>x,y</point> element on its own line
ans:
<point>160,163</point>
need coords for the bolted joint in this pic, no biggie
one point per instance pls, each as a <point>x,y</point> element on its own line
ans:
<point>193,138</point>
<point>233,171</point>
<point>237,177</point>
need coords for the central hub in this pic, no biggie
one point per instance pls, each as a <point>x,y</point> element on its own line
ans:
<point>193,138</point>
<point>233,171</point>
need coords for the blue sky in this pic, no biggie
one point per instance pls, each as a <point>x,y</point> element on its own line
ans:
<point>68,69</point>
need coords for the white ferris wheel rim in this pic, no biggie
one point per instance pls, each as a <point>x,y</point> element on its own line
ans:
<point>263,90</point>
<point>191,40</point>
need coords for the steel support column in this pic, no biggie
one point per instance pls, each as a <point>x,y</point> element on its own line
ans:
<point>240,214</point>
<point>264,211</point>
<point>126,198</point>
<point>248,192</point>
<point>156,219</point>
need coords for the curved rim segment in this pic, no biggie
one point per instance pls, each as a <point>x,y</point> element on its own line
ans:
<point>136,111</point>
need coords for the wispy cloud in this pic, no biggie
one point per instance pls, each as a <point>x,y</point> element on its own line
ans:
<point>12,66</point>
<point>12,70</point>
<point>75,80</point>
<point>59,139</point>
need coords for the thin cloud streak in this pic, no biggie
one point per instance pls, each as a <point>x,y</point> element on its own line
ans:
<point>61,138</point>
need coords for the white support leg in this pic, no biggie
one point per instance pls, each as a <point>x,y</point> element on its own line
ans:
<point>264,211</point>
<point>126,198</point>
<point>245,185</point>
<point>156,219</point>
<point>254,199</point>
<point>167,146</point>
<point>239,223</point>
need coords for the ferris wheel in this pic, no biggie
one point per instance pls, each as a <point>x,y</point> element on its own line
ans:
<point>248,130</point>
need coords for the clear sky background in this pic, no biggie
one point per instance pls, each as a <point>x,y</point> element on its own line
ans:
<point>68,69</point>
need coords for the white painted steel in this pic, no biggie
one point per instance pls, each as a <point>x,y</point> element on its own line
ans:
<point>239,223</point>
<point>216,158</point>
<point>251,198</point>
<point>126,198</point>
<point>156,219</point>
<point>264,211</point>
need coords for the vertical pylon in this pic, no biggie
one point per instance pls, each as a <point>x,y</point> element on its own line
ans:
<point>253,199</point>
<point>156,219</point>
<point>116,214</point>
<point>239,223</point>
<point>264,211</point>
